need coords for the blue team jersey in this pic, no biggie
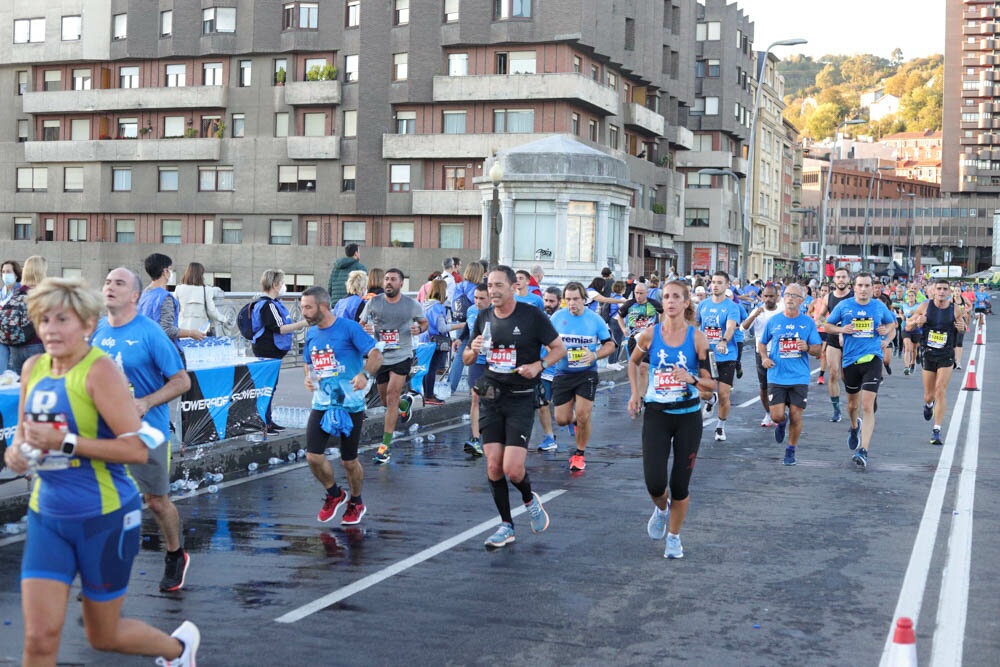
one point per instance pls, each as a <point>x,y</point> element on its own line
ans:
<point>531,299</point>
<point>712,319</point>
<point>471,313</point>
<point>579,333</point>
<point>804,308</point>
<point>663,386</point>
<point>781,338</point>
<point>982,298</point>
<point>148,358</point>
<point>335,355</point>
<point>866,319</point>
<point>739,335</point>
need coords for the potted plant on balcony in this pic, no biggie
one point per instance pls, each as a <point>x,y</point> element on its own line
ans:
<point>220,129</point>
<point>190,132</point>
<point>145,130</point>
<point>659,209</point>
<point>315,73</point>
<point>279,77</point>
<point>329,73</point>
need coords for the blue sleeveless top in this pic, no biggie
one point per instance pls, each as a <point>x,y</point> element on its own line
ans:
<point>675,395</point>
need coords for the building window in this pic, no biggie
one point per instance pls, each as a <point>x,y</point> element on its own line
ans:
<point>312,232</point>
<point>581,229</point>
<point>616,219</point>
<point>708,31</point>
<point>304,15</point>
<point>521,62</point>
<point>575,124</point>
<point>211,74</point>
<point>697,181</point>
<point>210,126</point>
<point>81,79</point>
<point>121,179</point>
<point>348,176</point>
<point>119,26</point>
<point>218,19</point>
<point>22,129</point>
<point>399,66</point>
<point>513,121</point>
<point>613,137</point>
<point>652,198</point>
<point>401,16</point>
<point>595,72</point>
<point>216,179</point>
<point>79,129</point>
<point>629,34</point>
<point>128,128</point>
<point>168,179</point>
<point>173,126</point>
<point>52,79</point>
<point>399,178</point>
<point>401,234</point>
<point>22,82</point>
<point>167,23</point>
<point>29,31</point>
<point>350,123</point>
<point>710,106</point>
<point>281,232</point>
<point>72,27</point>
<point>451,235</point>
<point>613,81</point>
<point>280,70</point>
<point>454,122</point>
<point>124,231</point>
<point>33,179</point>
<point>73,179</point>
<point>281,124</point>
<point>77,228</point>
<point>592,130</point>
<point>450,11</point>
<point>128,77</point>
<point>353,231</point>
<point>176,76</point>
<point>170,232</point>
<point>714,67</point>
<point>511,9</point>
<point>314,125</point>
<point>315,65</point>
<point>51,130</point>
<point>246,69</point>
<point>22,229</point>
<point>696,217</point>
<point>534,227</point>
<point>350,68</point>
<point>239,125</point>
<point>458,64</point>
<point>297,178</point>
<point>232,232</point>
<point>454,178</point>
<point>353,17</point>
<point>406,122</point>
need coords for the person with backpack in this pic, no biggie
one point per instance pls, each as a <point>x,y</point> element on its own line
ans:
<point>438,329</point>
<point>464,298</point>
<point>350,306</point>
<point>351,261</point>
<point>16,328</point>
<point>272,329</point>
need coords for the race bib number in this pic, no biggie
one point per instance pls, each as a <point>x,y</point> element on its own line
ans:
<point>667,386</point>
<point>864,328</point>
<point>788,347</point>
<point>390,337</point>
<point>714,334</point>
<point>325,364</point>
<point>641,323</point>
<point>574,357</point>
<point>502,360</point>
<point>937,339</point>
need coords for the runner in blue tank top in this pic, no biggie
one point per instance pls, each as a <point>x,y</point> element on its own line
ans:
<point>678,378</point>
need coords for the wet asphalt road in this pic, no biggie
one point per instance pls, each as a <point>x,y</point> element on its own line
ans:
<point>783,565</point>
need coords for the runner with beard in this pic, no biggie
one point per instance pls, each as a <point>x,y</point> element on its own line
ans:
<point>834,351</point>
<point>758,320</point>
<point>551,298</point>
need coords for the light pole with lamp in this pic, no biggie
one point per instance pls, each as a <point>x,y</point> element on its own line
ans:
<point>751,148</point>
<point>496,220</point>
<point>711,171</point>
<point>909,230</point>
<point>826,193</point>
<point>864,247</point>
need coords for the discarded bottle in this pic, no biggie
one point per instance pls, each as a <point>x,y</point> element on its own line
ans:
<point>414,428</point>
<point>13,528</point>
<point>217,477</point>
<point>213,489</point>
<point>291,457</point>
<point>301,453</point>
<point>431,437</point>
<point>252,467</point>
<point>274,461</point>
<point>466,418</point>
<point>487,342</point>
<point>418,440</point>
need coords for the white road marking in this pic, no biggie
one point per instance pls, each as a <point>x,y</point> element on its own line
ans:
<point>394,569</point>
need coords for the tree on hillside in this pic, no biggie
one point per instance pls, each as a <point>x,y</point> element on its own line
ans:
<point>824,121</point>
<point>896,57</point>
<point>864,70</point>
<point>829,77</point>
<point>920,108</point>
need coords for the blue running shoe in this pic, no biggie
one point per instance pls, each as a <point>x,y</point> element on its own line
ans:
<point>861,457</point>
<point>836,415</point>
<point>789,456</point>
<point>936,437</point>
<point>656,527</point>
<point>928,412</point>
<point>382,456</point>
<point>474,446</point>
<point>779,430</point>
<point>501,538</point>
<point>537,515</point>
<point>674,548</point>
<point>854,436</point>
<point>548,444</point>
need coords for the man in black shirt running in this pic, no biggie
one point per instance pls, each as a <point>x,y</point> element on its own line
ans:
<point>512,346</point>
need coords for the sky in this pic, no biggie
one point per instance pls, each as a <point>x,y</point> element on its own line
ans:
<point>849,26</point>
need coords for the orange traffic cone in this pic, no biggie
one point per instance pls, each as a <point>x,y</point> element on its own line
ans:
<point>904,644</point>
<point>970,377</point>
<point>979,335</point>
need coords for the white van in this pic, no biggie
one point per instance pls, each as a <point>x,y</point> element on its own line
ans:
<point>943,271</point>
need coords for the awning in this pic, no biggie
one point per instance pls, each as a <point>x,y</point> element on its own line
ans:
<point>660,253</point>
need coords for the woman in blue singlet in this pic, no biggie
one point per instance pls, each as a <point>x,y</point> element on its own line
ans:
<point>678,377</point>
<point>911,339</point>
<point>78,429</point>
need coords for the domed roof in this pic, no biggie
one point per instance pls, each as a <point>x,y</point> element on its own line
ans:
<point>561,157</point>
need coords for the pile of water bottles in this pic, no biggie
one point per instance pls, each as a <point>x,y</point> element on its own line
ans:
<point>215,351</point>
<point>290,417</point>
<point>16,527</point>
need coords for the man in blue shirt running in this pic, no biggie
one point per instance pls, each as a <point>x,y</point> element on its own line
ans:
<point>156,376</point>
<point>863,321</point>
<point>718,318</point>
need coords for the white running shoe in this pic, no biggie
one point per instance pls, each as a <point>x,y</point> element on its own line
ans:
<point>766,421</point>
<point>188,634</point>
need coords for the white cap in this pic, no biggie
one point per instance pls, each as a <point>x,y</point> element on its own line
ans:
<point>700,289</point>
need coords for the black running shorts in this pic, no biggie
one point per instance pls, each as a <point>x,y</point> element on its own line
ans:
<point>867,376</point>
<point>568,386</point>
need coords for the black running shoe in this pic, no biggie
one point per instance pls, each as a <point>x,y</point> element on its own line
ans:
<point>174,573</point>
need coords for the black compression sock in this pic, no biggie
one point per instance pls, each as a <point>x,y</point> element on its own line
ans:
<point>356,500</point>
<point>501,497</point>
<point>524,486</point>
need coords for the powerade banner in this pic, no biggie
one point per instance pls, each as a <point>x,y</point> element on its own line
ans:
<point>227,401</point>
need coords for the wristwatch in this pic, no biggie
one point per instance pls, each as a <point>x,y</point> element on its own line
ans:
<point>69,444</point>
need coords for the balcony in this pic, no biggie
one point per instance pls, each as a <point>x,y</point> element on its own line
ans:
<point>447,202</point>
<point>516,87</point>
<point>306,93</point>
<point>639,117</point>
<point>314,148</point>
<point>680,136</point>
<point>472,146</point>
<point>125,99</point>
<point>123,150</point>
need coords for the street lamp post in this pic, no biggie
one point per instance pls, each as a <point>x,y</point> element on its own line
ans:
<point>826,194</point>
<point>909,230</point>
<point>864,247</point>
<point>752,146</point>
<point>711,171</point>
<point>496,220</point>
